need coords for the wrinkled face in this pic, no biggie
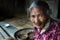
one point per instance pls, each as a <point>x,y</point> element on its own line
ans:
<point>38,18</point>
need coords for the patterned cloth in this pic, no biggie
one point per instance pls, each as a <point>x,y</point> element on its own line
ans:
<point>52,33</point>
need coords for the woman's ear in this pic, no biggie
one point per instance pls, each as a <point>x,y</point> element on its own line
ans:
<point>49,12</point>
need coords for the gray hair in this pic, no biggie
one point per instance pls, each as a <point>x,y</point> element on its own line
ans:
<point>41,5</point>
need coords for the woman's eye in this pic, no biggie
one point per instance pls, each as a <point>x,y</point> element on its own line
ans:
<point>41,15</point>
<point>33,16</point>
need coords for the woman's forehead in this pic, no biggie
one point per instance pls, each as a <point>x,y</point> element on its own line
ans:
<point>36,11</point>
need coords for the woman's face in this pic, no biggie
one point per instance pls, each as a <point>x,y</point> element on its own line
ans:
<point>38,18</point>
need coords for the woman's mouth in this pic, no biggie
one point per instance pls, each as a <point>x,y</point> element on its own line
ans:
<point>38,25</point>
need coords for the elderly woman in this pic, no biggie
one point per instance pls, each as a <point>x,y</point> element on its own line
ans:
<point>45,28</point>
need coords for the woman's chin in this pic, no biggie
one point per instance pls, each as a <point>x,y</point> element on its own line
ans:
<point>38,27</point>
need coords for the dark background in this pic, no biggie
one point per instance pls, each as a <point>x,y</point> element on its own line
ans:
<point>58,16</point>
<point>8,8</point>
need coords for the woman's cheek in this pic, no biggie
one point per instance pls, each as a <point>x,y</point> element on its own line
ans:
<point>42,20</point>
<point>32,20</point>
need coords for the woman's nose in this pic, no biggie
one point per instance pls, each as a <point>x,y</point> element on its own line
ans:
<point>36,20</point>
